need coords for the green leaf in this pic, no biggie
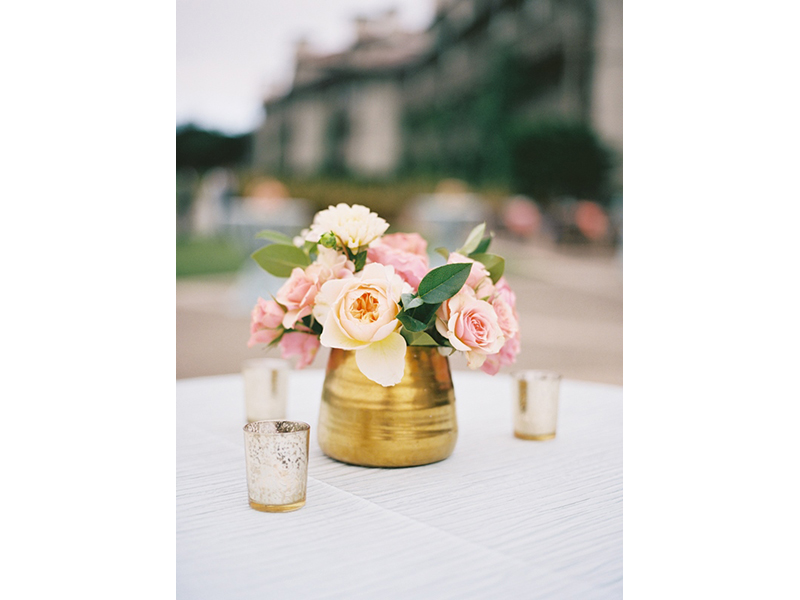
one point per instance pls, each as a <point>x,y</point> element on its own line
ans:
<point>360,260</point>
<point>424,313</point>
<point>443,251</point>
<point>443,282</point>
<point>280,259</point>
<point>483,246</point>
<point>275,236</point>
<point>473,239</point>
<point>410,323</point>
<point>411,301</point>
<point>418,338</point>
<point>493,263</point>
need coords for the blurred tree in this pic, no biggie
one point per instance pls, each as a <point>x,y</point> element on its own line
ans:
<point>557,158</point>
<point>202,150</point>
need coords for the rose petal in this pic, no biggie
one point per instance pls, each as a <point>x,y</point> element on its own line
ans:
<point>383,362</point>
<point>333,336</point>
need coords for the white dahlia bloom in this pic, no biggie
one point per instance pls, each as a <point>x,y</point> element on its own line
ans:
<point>355,226</point>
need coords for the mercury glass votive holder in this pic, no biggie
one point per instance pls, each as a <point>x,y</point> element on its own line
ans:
<point>276,459</point>
<point>266,383</point>
<point>536,404</point>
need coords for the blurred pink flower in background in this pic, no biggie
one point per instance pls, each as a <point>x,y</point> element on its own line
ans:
<point>591,219</point>
<point>522,217</point>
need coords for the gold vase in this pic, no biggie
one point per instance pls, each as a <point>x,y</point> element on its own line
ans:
<point>411,423</point>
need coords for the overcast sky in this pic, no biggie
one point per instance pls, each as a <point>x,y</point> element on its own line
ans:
<point>230,53</point>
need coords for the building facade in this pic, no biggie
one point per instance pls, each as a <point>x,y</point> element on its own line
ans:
<point>441,100</point>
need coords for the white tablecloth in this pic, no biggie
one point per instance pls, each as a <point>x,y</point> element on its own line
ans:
<point>500,518</point>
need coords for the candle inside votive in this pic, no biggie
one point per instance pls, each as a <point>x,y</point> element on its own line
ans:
<point>536,404</point>
<point>266,382</point>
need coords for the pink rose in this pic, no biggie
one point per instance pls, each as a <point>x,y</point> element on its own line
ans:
<point>507,356</point>
<point>470,325</point>
<point>503,289</point>
<point>304,345</point>
<point>411,267</point>
<point>297,296</point>
<point>479,279</point>
<point>265,322</point>
<point>407,242</point>
<point>506,316</point>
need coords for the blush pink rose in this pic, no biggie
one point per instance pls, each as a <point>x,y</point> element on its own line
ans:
<point>265,322</point>
<point>303,345</point>
<point>479,279</point>
<point>407,242</point>
<point>506,316</point>
<point>409,266</point>
<point>470,325</point>
<point>297,296</point>
<point>503,289</point>
<point>507,356</point>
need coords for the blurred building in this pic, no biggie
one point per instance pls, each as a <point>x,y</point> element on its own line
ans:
<point>436,100</point>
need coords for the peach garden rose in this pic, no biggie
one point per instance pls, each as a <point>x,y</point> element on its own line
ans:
<point>360,313</point>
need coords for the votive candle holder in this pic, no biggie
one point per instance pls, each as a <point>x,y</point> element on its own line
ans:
<point>276,460</point>
<point>536,404</point>
<point>266,383</point>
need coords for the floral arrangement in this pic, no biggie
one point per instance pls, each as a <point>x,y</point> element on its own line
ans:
<point>352,286</point>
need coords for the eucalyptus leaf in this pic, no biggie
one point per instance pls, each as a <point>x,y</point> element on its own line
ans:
<point>493,263</point>
<point>280,259</point>
<point>275,236</point>
<point>473,239</point>
<point>443,282</point>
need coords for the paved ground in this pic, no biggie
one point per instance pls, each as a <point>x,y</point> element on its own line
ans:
<point>569,299</point>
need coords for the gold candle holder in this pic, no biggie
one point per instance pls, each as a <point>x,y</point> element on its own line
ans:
<point>276,458</point>
<point>536,404</point>
<point>266,383</point>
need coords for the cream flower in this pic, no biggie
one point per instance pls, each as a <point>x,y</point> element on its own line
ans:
<point>355,226</point>
<point>332,265</point>
<point>360,313</point>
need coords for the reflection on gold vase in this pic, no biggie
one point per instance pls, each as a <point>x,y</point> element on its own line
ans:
<point>411,423</point>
